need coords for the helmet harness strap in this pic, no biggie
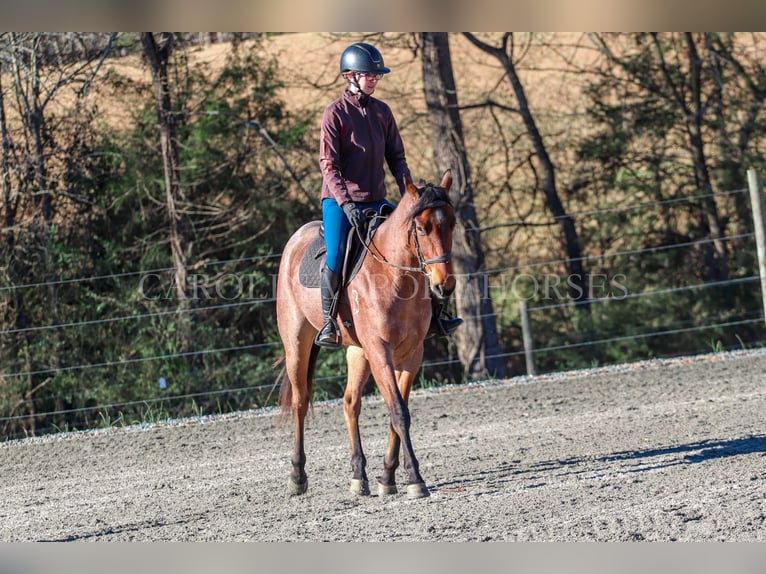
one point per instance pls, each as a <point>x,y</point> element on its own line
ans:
<point>353,79</point>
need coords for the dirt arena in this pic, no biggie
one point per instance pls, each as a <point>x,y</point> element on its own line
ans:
<point>662,450</point>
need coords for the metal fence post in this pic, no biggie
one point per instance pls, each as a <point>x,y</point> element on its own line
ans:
<point>526,335</point>
<point>757,205</point>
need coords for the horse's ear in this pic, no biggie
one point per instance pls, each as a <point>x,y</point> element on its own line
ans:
<point>410,187</point>
<point>446,180</point>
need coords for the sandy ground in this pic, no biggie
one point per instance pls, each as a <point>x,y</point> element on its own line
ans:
<point>662,450</point>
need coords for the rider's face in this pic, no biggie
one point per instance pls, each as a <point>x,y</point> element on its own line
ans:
<point>368,82</point>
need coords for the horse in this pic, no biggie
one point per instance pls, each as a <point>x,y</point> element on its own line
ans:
<point>384,314</point>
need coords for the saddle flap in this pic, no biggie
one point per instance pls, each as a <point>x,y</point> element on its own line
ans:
<point>310,272</point>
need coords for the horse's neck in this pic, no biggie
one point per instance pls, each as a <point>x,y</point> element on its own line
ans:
<point>391,239</point>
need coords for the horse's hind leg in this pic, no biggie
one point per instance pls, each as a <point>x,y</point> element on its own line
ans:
<point>300,370</point>
<point>358,373</point>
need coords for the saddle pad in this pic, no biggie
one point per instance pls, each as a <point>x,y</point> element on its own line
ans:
<point>310,272</point>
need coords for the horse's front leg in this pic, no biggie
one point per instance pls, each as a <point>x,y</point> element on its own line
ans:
<point>396,391</point>
<point>387,480</point>
<point>358,373</point>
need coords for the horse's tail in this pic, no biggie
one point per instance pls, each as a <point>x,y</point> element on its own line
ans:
<point>286,388</point>
<point>279,380</point>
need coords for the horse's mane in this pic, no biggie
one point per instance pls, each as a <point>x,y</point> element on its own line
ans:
<point>431,196</point>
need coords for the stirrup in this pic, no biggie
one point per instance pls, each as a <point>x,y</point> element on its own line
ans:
<point>443,327</point>
<point>336,343</point>
<point>449,325</point>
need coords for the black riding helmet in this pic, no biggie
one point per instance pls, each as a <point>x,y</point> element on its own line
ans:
<point>361,57</point>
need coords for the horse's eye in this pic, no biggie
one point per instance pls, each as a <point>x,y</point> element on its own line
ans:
<point>420,230</point>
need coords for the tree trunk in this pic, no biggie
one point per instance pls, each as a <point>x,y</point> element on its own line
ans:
<point>16,317</point>
<point>26,64</point>
<point>10,200</point>
<point>477,341</point>
<point>157,57</point>
<point>719,258</point>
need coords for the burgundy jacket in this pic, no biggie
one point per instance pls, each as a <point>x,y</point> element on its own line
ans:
<point>355,144</point>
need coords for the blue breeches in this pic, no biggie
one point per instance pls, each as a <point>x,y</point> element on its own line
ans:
<point>336,228</point>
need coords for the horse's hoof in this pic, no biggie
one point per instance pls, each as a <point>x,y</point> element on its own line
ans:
<point>297,488</point>
<point>417,490</point>
<point>386,489</point>
<point>360,487</point>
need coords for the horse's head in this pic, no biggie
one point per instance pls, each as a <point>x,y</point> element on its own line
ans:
<point>432,222</point>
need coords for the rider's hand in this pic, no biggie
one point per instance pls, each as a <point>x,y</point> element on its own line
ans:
<point>353,213</point>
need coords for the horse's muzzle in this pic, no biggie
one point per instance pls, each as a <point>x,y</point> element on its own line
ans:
<point>442,287</point>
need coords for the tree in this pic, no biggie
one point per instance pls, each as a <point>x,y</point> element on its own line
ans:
<point>577,281</point>
<point>157,56</point>
<point>240,156</point>
<point>737,99</point>
<point>39,178</point>
<point>668,71</point>
<point>476,340</point>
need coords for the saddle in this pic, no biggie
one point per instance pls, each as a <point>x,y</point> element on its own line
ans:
<point>310,271</point>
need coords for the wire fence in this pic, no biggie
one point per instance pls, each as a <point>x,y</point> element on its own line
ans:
<point>508,290</point>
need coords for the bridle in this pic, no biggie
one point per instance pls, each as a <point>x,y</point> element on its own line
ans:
<point>422,261</point>
<point>443,258</point>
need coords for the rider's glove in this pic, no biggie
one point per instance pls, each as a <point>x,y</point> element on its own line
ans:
<point>353,213</point>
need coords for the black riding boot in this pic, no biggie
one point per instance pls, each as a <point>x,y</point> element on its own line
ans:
<point>442,323</point>
<point>328,335</point>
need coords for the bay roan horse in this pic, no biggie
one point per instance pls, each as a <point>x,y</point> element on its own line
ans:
<point>383,315</point>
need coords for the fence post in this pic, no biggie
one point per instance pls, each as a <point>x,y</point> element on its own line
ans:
<point>526,335</point>
<point>757,205</point>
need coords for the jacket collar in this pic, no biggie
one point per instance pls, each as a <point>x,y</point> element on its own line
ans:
<point>360,100</point>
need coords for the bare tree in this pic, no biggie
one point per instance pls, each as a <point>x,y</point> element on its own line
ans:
<point>477,340</point>
<point>31,98</point>
<point>13,309</point>
<point>157,56</point>
<point>671,70</point>
<point>737,101</point>
<point>34,155</point>
<point>504,53</point>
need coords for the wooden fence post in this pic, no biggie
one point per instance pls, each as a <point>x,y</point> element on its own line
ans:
<point>526,334</point>
<point>757,205</point>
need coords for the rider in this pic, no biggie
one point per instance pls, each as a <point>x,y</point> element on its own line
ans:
<point>358,136</point>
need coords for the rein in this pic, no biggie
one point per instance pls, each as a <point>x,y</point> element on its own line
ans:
<point>443,258</point>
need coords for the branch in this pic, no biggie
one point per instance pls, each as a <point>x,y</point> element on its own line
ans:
<point>598,42</point>
<point>718,47</point>
<point>666,74</point>
<point>516,224</point>
<point>256,125</point>
<point>497,52</point>
<point>108,49</point>
<point>490,103</point>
